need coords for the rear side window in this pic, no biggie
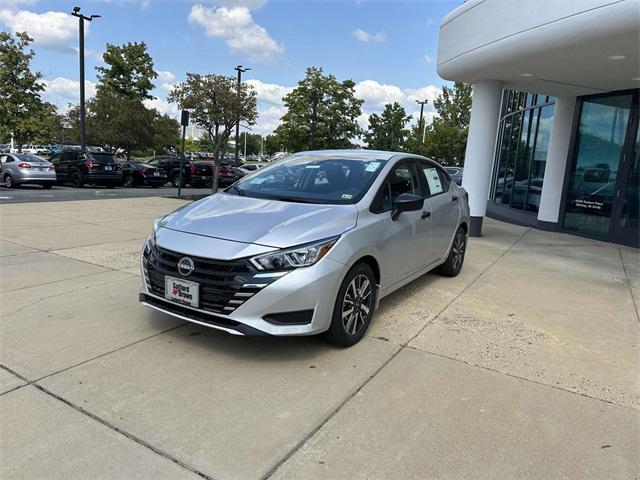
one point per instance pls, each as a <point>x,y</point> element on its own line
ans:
<point>436,180</point>
<point>103,157</point>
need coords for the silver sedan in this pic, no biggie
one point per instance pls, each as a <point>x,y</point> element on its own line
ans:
<point>307,245</point>
<point>22,168</point>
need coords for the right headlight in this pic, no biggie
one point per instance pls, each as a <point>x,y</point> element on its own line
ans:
<point>296,257</point>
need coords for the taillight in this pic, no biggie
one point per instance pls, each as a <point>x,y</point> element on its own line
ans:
<point>52,166</point>
<point>193,169</point>
<point>88,164</point>
<point>24,165</point>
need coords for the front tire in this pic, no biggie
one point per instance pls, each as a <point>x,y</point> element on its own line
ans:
<point>354,306</point>
<point>452,266</point>
<point>76,180</point>
<point>128,181</point>
<point>8,182</point>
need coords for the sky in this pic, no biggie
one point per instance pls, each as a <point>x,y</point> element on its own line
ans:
<point>387,47</point>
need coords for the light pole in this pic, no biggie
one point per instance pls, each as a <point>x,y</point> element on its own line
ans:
<point>240,71</point>
<point>420,125</point>
<point>81,19</point>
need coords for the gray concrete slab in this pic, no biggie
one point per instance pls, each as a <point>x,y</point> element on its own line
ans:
<point>123,255</point>
<point>428,417</point>
<point>231,406</point>
<point>54,441</point>
<point>8,248</point>
<point>631,261</point>
<point>37,268</point>
<point>8,381</point>
<point>557,315</point>
<point>60,331</point>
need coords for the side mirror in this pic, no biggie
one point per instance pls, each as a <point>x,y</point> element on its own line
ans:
<point>406,202</point>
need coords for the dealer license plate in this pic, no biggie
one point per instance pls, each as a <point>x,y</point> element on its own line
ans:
<point>156,174</point>
<point>107,167</point>
<point>181,291</point>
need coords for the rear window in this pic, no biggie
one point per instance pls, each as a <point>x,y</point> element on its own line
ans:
<point>28,158</point>
<point>103,157</point>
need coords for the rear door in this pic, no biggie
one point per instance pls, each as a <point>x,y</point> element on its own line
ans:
<point>444,204</point>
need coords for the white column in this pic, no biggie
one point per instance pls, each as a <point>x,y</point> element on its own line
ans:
<point>557,156</point>
<point>481,142</point>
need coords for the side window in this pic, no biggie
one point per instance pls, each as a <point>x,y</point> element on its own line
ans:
<point>55,158</point>
<point>3,158</point>
<point>445,179</point>
<point>432,179</point>
<point>402,179</point>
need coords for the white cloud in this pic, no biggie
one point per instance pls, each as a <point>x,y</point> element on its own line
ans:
<point>271,93</point>
<point>55,30</point>
<point>163,106</point>
<point>15,3</point>
<point>366,37</point>
<point>250,4</point>
<point>236,26</point>
<point>62,91</point>
<point>167,80</point>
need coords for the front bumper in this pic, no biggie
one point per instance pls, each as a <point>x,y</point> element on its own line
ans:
<point>307,294</point>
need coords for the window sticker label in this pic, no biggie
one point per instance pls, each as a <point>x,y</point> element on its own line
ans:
<point>347,196</point>
<point>372,166</point>
<point>433,180</point>
<point>312,166</point>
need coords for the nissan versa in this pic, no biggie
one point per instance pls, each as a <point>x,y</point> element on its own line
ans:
<point>307,245</point>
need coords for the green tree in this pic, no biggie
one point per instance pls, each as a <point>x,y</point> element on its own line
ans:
<point>272,144</point>
<point>446,137</point>
<point>321,113</point>
<point>215,106</point>
<point>129,71</point>
<point>166,132</point>
<point>387,131</point>
<point>23,113</point>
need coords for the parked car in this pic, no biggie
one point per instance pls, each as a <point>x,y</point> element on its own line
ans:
<point>307,245</point>
<point>80,167</point>
<point>455,173</point>
<point>23,168</point>
<point>136,174</point>
<point>228,174</point>
<point>201,173</point>
<point>5,148</point>
<point>171,166</point>
<point>247,168</point>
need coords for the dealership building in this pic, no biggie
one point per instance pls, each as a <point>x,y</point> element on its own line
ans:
<point>553,140</point>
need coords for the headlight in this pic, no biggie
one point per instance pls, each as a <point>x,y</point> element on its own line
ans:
<point>302,256</point>
<point>152,238</point>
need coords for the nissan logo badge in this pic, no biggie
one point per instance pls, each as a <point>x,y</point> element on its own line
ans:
<point>186,266</point>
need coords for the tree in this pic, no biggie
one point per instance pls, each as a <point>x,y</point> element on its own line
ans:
<point>446,137</point>
<point>129,72</point>
<point>215,106</point>
<point>166,132</point>
<point>321,113</point>
<point>23,113</point>
<point>387,131</point>
<point>272,144</point>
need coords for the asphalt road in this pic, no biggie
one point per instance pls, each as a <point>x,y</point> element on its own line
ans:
<point>35,193</point>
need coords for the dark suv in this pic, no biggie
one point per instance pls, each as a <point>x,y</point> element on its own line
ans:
<point>171,166</point>
<point>79,167</point>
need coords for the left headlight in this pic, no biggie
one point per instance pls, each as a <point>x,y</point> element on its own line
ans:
<point>152,237</point>
<point>302,256</point>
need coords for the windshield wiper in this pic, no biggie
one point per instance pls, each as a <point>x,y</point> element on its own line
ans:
<point>295,200</point>
<point>237,189</point>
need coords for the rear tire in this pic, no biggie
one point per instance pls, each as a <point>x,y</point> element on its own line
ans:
<point>76,180</point>
<point>452,266</point>
<point>8,181</point>
<point>354,306</point>
<point>128,181</point>
<point>175,181</point>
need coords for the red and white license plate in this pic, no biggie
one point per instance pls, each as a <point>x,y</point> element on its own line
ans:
<point>181,291</point>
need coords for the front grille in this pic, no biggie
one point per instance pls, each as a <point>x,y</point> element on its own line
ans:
<point>224,285</point>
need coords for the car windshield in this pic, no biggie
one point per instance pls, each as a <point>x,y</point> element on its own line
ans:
<point>29,158</point>
<point>312,179</point>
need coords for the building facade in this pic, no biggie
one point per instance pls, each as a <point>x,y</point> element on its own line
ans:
<point>554,140</point>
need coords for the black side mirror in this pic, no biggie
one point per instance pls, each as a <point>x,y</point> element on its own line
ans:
<point>406,202</point>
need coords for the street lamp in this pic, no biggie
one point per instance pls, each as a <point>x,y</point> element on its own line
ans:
<point>422,104</point>
<point>81,19</point>
<point>240,71</point>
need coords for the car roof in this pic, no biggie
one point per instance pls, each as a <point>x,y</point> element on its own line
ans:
<point>362,154</point>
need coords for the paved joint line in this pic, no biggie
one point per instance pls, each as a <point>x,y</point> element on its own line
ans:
<point>126,434</point>
<point>626,274</point>
<point>472,282</point>
<point>71,278</point>
<point>110,352</point>
<point>331,414</point>
<point>517,377</point>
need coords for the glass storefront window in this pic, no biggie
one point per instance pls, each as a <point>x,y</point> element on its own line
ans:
<point>631,205</point>
<point>601,137</point>
<point>522,154</point>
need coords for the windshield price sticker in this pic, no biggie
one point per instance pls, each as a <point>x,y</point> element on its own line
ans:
<point>372,166</point>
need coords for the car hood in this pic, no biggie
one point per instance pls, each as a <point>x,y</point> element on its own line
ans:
<point>260,221</point>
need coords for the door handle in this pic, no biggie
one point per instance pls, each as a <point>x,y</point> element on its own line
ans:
<point>454,198</point>
<point>425,214</point>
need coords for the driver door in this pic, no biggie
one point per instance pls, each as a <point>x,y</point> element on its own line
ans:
<point>407,237</point>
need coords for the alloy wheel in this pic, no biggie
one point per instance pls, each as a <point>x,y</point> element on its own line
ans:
<point>8,181</point>
<point>356,304</point>
<point>458,249</point>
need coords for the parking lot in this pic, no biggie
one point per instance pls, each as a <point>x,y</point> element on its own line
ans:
<point>525,365</point>
<point>35,193</point>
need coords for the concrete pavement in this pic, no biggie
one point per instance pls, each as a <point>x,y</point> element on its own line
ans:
<point>526,365</point>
